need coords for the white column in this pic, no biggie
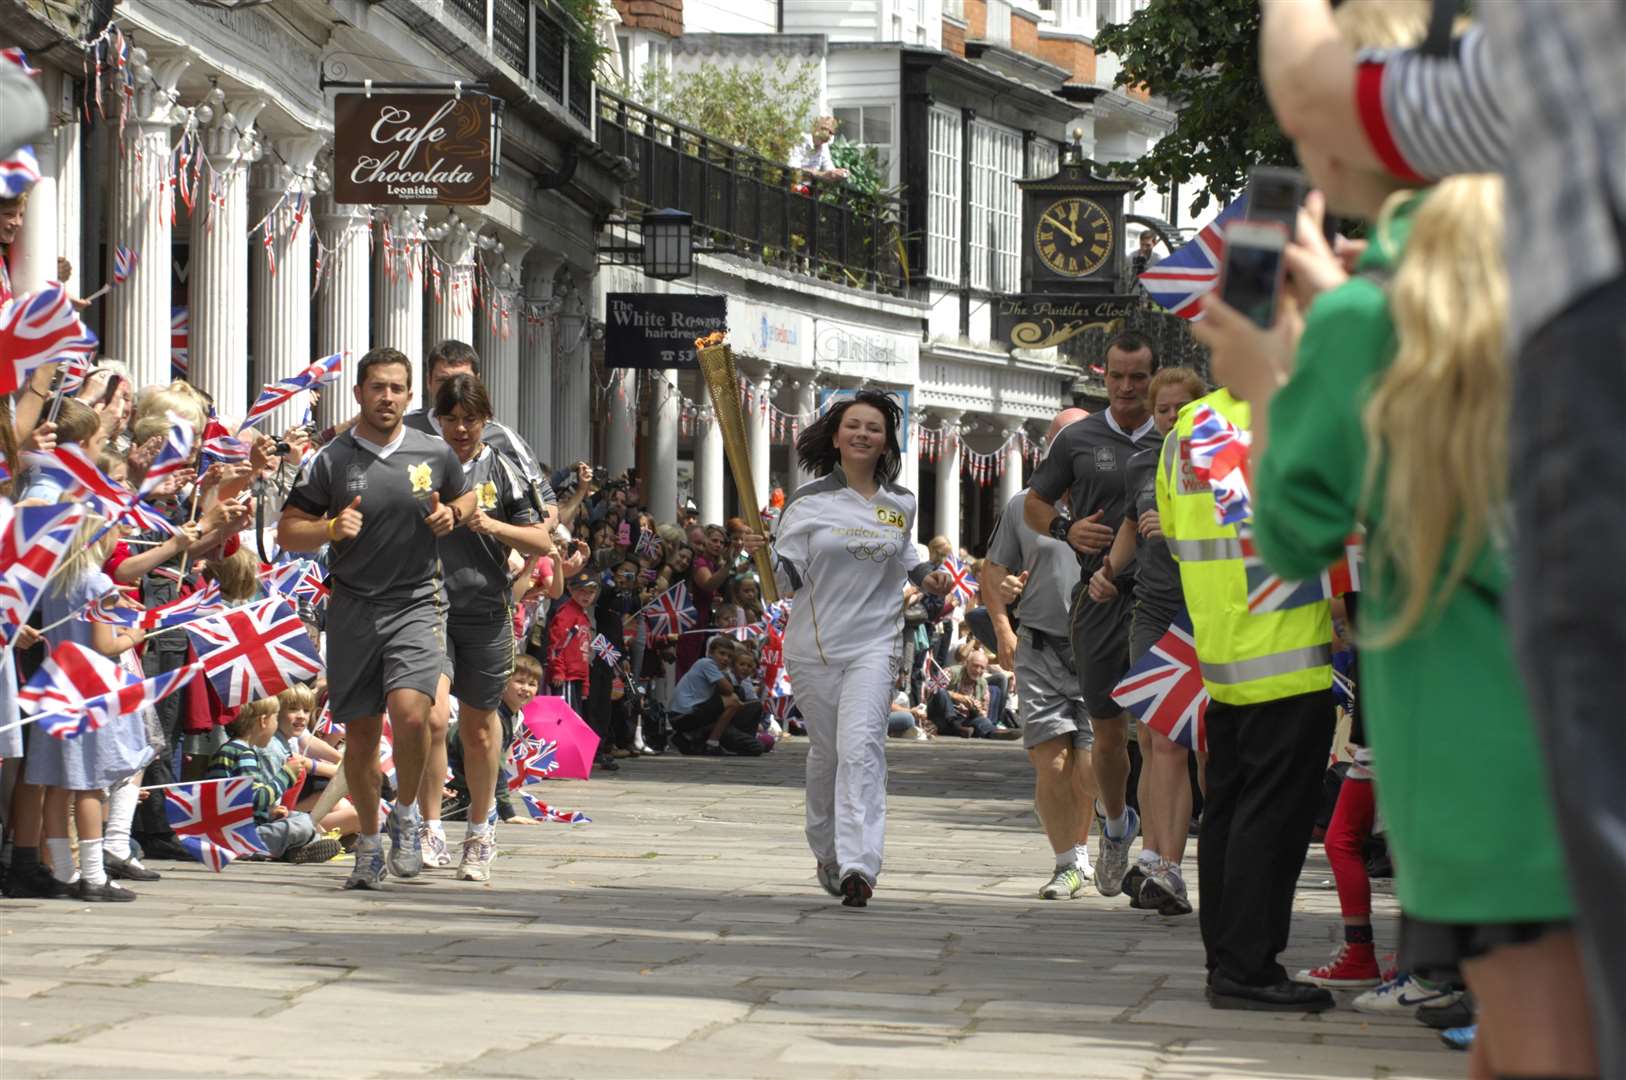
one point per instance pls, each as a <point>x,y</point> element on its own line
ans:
<point>663,447</point>
<point>451,315</point>
<point>70,199</point>
<point>1010,481</point>
<point>33,253</point>
<point>948,480</point>
<point>573,392</point>
<point>758,433</point>
<point>398,299</point>
<point>137,316</point>
<point>217,283</point>
<point>499,333</point>
<point>535,417</point>
<point>281,330</point>
<point>343,300</point>
<point>909,475</point>
<point>805,404</point>
<point>621,435</point>
<point>710,465</point>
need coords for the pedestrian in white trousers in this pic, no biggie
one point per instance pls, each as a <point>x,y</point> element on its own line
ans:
<point>844,547</point>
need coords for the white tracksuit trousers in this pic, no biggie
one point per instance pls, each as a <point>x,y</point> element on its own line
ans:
<point>845,706</point>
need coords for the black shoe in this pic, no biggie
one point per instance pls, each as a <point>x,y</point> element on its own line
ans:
<point>127,869</point>
<point>1460,1013</point>
<point>165,847</point>
<point>607,763</point>
<point>1284,996</point>
<point>35,883</point>
<point>317,851</point>
<point>855,891</point>
<point>105,893</point>
<point>1132,883</point>
<point>737,742</point>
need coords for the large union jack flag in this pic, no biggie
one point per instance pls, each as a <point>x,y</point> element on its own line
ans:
<point>1268,591</point>
<point>1164,688</point>
<point>215,820</point>
<point>37,329</point>
<point>276,394</point>
<point>671,613</point>
<point>1180,280</point>
<point>254,651</point>
<point>33,541</point>
<point>78,689</point>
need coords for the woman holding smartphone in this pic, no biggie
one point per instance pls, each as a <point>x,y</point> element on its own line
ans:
<point>844,548</point>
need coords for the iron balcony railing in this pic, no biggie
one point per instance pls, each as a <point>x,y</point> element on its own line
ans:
<point>747,205</point>
<point>540,40</point>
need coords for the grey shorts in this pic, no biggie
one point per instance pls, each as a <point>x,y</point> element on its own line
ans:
<point>481,651</point>
<point>1146,630</point>
<point>1101,649</point>
<point>1047,693</point>
<point>374,649</point>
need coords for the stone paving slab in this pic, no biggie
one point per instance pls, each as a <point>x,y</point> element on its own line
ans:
<point>679,935</point>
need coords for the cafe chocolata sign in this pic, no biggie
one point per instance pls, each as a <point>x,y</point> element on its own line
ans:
<point>391,149</point>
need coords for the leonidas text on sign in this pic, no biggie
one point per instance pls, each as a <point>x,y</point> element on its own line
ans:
<point>390,149</point>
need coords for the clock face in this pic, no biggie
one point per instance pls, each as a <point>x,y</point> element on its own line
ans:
<point>1073,237</point>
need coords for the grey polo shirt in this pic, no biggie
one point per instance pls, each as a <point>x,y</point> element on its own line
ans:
<point>1051,565</point>
<point>475,566</point>
<point>395,560</point>
<point>1087,463</point>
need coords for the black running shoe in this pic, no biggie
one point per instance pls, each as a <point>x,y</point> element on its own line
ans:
<point>855,891</point>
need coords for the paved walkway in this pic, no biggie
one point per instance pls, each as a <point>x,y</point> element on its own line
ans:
<point>680,934</point>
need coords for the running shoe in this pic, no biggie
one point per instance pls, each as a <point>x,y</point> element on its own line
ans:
<point>479,851</point>
<point>1404,994</point>
<point>1164,891</point>
<point>436,855</point>
<point>1064,884</point>
<point>1352,967</point>
<point>1459,1038</point>
<point>856,890</point>
<point>406,856</point>
<point>1112,859</point>
<point>829,875</point>
<point>369,872</point>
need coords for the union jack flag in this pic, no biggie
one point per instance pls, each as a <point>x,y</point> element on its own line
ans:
<point>1219,457</point>
<point>530,760</point>
<point>74,367</point>
<point>78,689</point>
<point>1180,281</point>
<point>33,541</point>
<point>19,172</point>
<point>964,584</point>
<point>1269,592</point>
<point>325,724</point>
<point>936,678</point>
<point>145,518</point>
<point>215,820</point>
<point>277,394</point>
<point>179,329</point>
<point>671,613</point>
<point>254,651</point>
<point>104,609</point>
<point>175,455</point>
<point>541,811</point>
<point>220,446</point>
<point>37,329</point>
<point>16,56</point>
<point>605,651</point>
<point>124,263</point>
<point>300,579</point>
<point>202,604</point>
<point>79,476</point>
<point>1165,691</point>
<point>649,545</point>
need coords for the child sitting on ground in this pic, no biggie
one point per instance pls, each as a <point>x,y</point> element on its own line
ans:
<point>293,736</point>
<point>287,835</point>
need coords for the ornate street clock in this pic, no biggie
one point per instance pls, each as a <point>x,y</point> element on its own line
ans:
<point>1073,224</point>
<point>1073,236</point>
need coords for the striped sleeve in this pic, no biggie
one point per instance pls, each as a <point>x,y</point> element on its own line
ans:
<point>1433,116</point>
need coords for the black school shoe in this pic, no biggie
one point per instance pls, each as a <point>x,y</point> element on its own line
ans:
<point>125,870</point>
<point>105,893</point>
<point>1460,1013</point>
<point>1283,996</point>
<point>35,882</point>
<point>855,891</point>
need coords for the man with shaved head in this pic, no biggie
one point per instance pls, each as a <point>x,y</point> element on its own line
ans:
<point>1040,574</point>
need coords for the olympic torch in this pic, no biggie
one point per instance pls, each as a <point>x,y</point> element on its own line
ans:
<point>723,383</point>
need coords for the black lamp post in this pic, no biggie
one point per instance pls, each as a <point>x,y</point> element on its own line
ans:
<point>668,238</point>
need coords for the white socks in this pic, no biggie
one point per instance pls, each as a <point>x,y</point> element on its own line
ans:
<point>1067,858</point>
<point>90,862</point>
<point>437,828</point>
<point>121,808</point>
<point>1116,827</point>
<point>62,867</point>
<point>1148,858</point>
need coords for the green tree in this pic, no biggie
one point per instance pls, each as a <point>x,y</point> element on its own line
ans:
<point>1203,56</point>
<point>765,109</point>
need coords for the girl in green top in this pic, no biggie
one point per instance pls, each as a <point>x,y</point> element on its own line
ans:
<point>1387,408</point>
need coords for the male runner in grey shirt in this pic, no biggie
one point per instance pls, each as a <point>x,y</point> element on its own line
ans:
<point>1043,573</point>
<point>1088,464</point>
<point>381,495</point>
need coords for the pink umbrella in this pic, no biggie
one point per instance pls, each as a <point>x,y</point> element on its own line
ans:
<point>552,720</point>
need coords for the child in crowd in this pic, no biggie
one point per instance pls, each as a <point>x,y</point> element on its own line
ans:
<point>708,715</point>
<point>570,636</point>
<point>293,736</point>
<point>287,835</point>
<point>523,685</point>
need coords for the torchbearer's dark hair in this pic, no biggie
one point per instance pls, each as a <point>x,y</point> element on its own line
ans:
<point>816,446</point>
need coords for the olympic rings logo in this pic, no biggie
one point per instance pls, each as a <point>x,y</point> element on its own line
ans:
<point>871,550</point>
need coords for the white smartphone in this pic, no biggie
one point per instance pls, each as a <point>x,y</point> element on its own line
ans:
<point>1251,279</point>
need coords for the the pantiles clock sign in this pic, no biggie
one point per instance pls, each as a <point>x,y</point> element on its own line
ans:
<point>1072,258</point>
